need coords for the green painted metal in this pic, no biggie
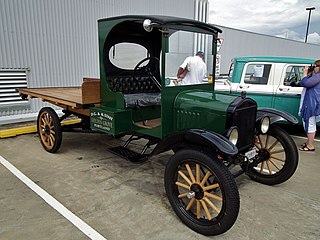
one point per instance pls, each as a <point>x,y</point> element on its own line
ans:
<point>110,121</point>
<point>201,109</point>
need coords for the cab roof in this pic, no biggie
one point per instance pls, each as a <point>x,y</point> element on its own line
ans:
<point>169,22</point>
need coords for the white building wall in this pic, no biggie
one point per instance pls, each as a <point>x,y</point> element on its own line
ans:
<point>242,43</point>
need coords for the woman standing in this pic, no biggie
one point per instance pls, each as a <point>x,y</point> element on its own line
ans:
<point>310,104</point>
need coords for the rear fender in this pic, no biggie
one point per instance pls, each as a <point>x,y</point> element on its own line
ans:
<point>275,115</point>
<point>198,138</point>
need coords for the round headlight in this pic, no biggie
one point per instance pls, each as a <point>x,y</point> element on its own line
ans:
<point>233,135</point>
<point>265,123</point>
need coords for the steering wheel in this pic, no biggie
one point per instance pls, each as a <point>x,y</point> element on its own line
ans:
<point>146,69</point>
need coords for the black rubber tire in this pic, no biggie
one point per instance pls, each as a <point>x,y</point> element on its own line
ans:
<point>290,156</point>
<point>49,129</point>
<point>230,202</point>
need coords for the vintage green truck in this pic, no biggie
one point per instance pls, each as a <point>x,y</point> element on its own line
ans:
<point>273,82</point>
<point>207,132</point>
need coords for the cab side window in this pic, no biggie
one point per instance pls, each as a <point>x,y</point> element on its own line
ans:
<point>293,76</point>
<point>257,73</point>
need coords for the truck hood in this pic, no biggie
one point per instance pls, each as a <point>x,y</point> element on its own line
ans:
<point>202,109</point>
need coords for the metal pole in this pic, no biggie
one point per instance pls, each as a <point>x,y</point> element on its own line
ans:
<point>308,9</point>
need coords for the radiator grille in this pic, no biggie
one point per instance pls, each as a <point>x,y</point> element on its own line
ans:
<point>10,80</point>
<point>243,115</point>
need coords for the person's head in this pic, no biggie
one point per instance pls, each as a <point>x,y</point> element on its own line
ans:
<point>200,54</point>
<point>317,66</point>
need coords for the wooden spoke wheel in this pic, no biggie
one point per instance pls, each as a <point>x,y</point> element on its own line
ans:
<point>49,129</point>
<point>202,192</point>
<point>277,157</point>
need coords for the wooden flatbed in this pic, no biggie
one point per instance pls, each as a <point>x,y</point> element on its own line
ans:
<point>74,99</point>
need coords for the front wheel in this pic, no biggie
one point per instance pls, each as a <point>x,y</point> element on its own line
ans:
<point>277,157</point>
<point>202,192</point>
<point>49,129</point>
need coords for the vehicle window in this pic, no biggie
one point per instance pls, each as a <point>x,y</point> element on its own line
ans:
<point>127,55</point>
<point>257,73</point>
<point>293,76</point>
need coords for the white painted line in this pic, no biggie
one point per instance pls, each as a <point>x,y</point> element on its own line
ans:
<point>76,221</point>
<point>316,140</point>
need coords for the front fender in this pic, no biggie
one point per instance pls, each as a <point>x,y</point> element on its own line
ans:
<point>276,115</point>
<point>196,137</point>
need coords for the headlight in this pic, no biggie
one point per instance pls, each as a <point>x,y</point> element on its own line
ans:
<point>264,124</point>
<point>233,135</point>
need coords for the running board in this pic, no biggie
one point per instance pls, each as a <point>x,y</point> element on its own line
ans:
<point>129,154</point>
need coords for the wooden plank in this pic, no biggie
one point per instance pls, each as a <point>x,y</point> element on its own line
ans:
<point>90,90</point>
<point>88,93</point>
<point>70,96</point>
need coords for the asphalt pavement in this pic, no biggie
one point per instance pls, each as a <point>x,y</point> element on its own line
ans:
<point>102,196</point>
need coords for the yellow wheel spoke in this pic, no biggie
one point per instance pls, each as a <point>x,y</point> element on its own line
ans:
<point>52,137</point>
<point>213,196</point>
<point>204,180</point>
<point>279,159</point>
<point>267,140</point>
<point>269,168</point>
<point>260,141</point>
<point>183,195</point>
<point>198,210</point>
<point>204,205</point>
<point>190,204</point>
<point>213,186</point>
<point>190,173</point>
<point>182,185</point>
<point>275,165</point>
<point>278,151</point>
<point>52,132</point>
<point>273,145</point>
<point>262,166</point>
<point>185,177</point>
<point>50,141</point>
<point>197,173</point>
<point>214,207</point>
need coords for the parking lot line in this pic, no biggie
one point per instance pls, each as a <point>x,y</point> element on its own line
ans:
<point>76,221</point>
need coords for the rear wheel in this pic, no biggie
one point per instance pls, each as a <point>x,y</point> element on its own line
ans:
<point>277,157</point>
<point>202,192</point>
<point>49,129</point>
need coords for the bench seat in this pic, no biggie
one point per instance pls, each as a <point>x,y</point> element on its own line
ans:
<point>142,99</point>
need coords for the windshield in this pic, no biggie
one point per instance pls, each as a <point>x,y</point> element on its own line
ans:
<point>189,59</point>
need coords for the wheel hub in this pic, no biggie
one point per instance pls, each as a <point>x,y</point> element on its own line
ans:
<point>264,155</point>
<point>198,191</point>
<point>46,130</point>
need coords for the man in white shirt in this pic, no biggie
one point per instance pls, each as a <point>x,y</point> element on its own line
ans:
<point>192,70</point>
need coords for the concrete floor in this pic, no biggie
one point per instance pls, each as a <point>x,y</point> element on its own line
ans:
<point>122,200</point>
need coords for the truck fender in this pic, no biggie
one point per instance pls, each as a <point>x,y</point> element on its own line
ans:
<point>196,137</point>
<point>275,115</point>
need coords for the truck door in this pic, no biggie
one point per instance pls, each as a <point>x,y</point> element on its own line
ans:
<point>288,91</point>
<point>257,81</point>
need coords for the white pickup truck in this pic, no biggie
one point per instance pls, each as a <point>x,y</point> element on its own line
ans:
<point>273,82</point>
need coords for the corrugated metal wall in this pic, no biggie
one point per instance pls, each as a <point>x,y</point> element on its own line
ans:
<point>57,39</point>
<point>242,43</point>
